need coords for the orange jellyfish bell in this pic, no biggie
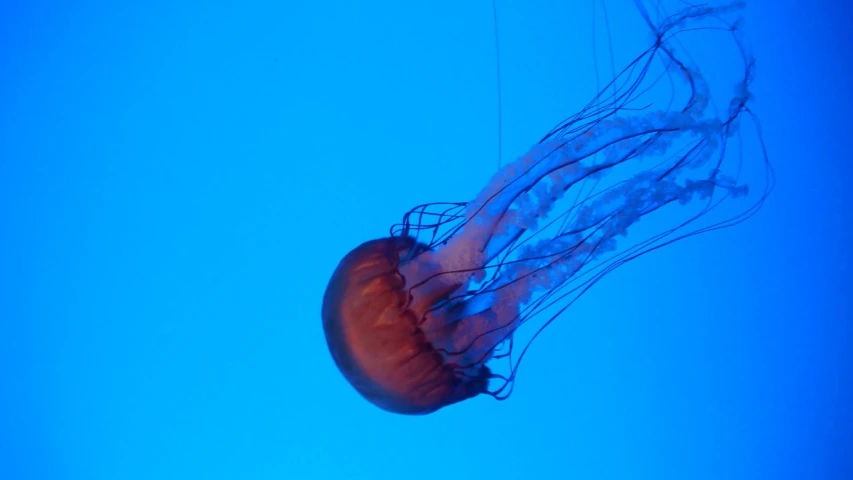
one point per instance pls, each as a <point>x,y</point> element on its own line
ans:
<point>372,330</point>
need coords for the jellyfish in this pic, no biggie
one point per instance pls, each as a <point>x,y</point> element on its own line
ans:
<point>431,315</point>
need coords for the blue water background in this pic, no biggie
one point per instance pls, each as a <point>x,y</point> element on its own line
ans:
<point>179,179</point>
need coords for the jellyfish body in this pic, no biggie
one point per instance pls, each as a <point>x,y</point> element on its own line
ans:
<point>374,335</point>
<point>413,319</point>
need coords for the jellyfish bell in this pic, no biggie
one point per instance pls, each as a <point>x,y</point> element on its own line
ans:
<point>374,330</point>
<point>416,321</point>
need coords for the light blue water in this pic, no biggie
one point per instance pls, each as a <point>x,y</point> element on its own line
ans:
<point>178,180</point>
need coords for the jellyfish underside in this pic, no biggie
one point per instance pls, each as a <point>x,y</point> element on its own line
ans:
<point>413,319</point>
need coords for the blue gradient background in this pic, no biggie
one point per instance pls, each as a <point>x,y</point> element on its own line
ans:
<point>179,179</point>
